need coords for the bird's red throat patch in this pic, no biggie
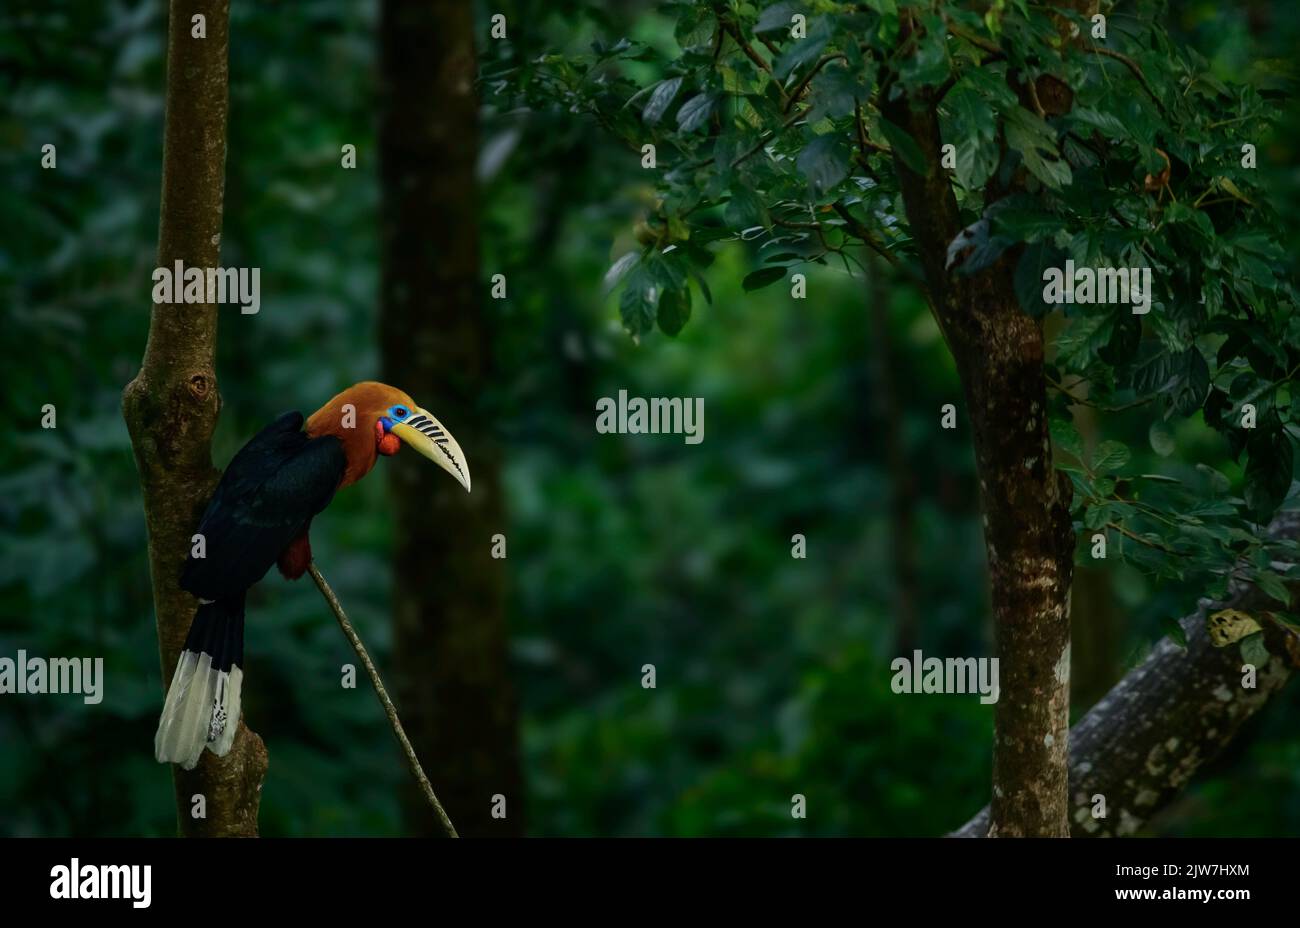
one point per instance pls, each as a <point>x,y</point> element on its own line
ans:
<point>386,442</point>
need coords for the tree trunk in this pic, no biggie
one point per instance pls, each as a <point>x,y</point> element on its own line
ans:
<point>449,618</point>
<point>171,406</point>
<point>1027,531</point>
<point>1142,743</point>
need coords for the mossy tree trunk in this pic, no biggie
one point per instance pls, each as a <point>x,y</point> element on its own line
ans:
<point>1142,743</point>
<point>1028,535</point>
<point>453,683</point>
<point>171,406</point>
<point>1029,540</point>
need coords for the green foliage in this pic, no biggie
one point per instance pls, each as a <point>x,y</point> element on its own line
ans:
<point>795,156</point>
<point>623,550</point>
<point>74,571</point>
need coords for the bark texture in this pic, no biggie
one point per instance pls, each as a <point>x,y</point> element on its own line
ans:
<point>999,353</point>
<point>452,676</point>
<point>1141,744</point>
<point>171,406</point>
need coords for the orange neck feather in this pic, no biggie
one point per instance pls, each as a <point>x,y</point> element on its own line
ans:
<point>350,417</point>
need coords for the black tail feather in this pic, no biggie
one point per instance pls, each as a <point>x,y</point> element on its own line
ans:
<point>203,701</point>
<point>218,630</point>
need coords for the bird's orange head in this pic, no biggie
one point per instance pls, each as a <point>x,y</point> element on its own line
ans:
<point>372,418</point>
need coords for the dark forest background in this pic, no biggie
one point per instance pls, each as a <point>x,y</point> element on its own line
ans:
<point>820,419</point>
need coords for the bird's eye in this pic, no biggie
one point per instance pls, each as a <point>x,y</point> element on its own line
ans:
<point>399,412</point>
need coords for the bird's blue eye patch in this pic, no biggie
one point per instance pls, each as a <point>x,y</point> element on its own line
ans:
<point>399,413</point>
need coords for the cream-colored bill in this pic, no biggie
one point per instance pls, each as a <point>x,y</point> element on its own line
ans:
<point>426,435</point>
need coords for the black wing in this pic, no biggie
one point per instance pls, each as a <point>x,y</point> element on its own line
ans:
<point>266,497</point>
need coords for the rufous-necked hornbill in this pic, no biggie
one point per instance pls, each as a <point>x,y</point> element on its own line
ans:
<point>258,516</point>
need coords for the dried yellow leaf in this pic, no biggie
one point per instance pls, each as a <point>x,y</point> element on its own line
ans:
<point>1229,626</point>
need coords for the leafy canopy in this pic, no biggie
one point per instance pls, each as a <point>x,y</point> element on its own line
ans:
<point>767,127</point>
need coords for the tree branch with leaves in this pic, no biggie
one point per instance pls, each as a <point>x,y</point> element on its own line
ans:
<point>975,150</point>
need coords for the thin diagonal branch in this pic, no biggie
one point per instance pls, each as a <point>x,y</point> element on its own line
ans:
<point>734,31</point>
<point>865,143</point>
<point>1137,72</point>
<point>382,693</point>
<point>765,138</point>
<point>862,233</point>
<point>800,87</point>
<point>988,45</point>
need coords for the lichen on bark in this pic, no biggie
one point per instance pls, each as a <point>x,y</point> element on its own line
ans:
<point>999,353</point>
<point>1142,743</point>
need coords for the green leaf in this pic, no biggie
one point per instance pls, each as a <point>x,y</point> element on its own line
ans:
<point>775,18</point>
<point>704,286</point>
<point>1125,339</point>
<point>1253,649</point>
<point>662,98</point>
<point>1105,123</point>
<point>1029,277</point>
<point>1096,516</point>
<point>1261,243</point>
<point>928,63</point>
<point>1256,271</point>
<point>1193,382</point>
<point>1216,407</point>
<point>888,10</point>
<point>836,92</point>
<point>1268,472</point>
<point>992,86</point>
<point>904,145</point>
<point>1197,220</point>
<point>804,51</point>
<point>825,162</point>
<point>618,270</point>
<point>1161,437</point>
<point>1157,374</point>
<point>1022,220</point>
<point>694,112</point>
<point>668,269</point>
<point>638,301</point>
<point>1036,142</point>
<point>1218,482</point>
<point>763,277</point>
<point>1066,437</point>
<point>1109,456</point>
<point>745,210</point>
<point>1174,629</point>
<point>696,28</point>
<point>1272,584</point>
<point>971,112</point>
<point>977,159</point>
<point>674,310</point>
